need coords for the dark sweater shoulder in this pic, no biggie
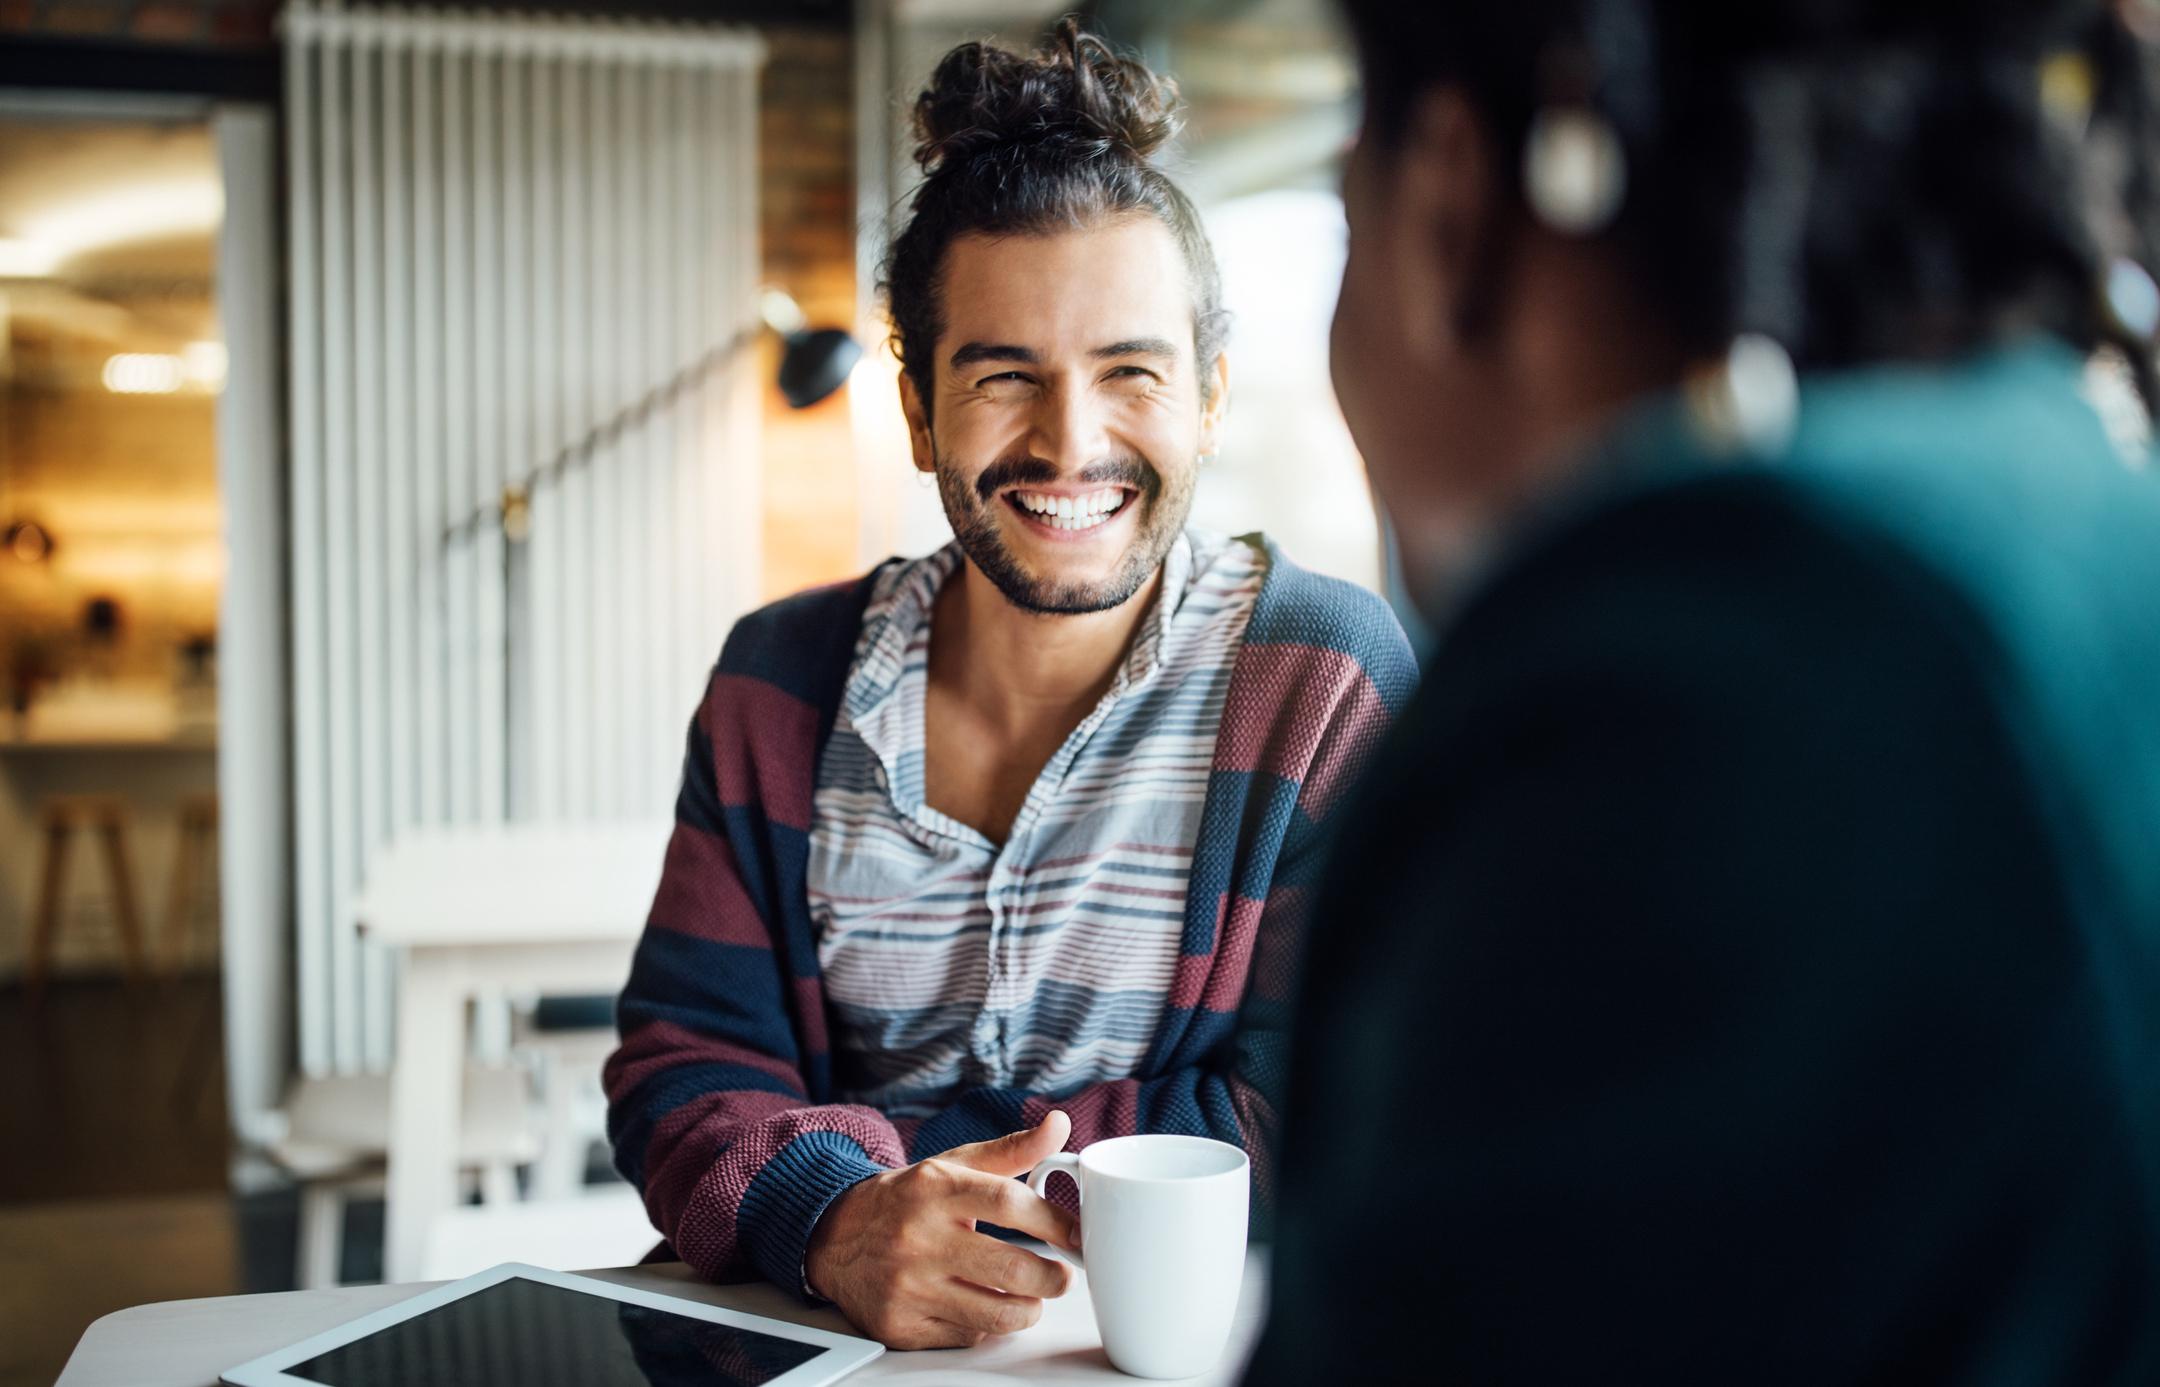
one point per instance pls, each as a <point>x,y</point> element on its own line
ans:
<point>1846,594</point>
<point>1297,606</point>
<point>802,643</point>
<point>1740,588</point>
<point>1730,878</point>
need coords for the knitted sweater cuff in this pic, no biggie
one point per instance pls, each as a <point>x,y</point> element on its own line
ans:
<point>790,1194</point>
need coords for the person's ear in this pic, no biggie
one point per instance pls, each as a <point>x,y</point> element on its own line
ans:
<point>918,425</point>
<point>1217,407</point>
<point>1443,200</point>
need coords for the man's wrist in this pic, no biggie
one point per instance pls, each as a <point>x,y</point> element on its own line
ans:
<point>820,1227</point>
<point>781,1209</point>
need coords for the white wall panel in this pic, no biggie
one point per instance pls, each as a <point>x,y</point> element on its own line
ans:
<point>340,808</point>
<point>370,537</point>
<point>611,328</point>
<point>254,779</point>
<point>429,508</point>
<point>581,396</point>
<point>514,242</point>
<point>310,649</point>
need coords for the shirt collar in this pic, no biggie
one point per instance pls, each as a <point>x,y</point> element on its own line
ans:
<point>1145,655</point>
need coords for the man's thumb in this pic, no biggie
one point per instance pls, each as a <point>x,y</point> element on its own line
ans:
<point>1017,1153</point>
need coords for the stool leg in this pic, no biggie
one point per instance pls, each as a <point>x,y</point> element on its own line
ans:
<point>51,885</point>
<point>498,1183</point>
<point>180,906</point>
<point>320,1254</point>
<point>123,889</point>
<point>560,1171</point>
<point>198,1060</point>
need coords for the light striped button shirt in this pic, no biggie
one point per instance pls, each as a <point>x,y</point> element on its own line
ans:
<point>951,962</point>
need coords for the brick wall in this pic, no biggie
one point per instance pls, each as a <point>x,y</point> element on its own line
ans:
<point>215,23</point>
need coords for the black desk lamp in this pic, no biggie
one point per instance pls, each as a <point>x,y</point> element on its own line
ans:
<point>814,362</point>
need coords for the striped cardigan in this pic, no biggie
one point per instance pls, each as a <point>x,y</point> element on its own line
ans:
<point>721,1106</point>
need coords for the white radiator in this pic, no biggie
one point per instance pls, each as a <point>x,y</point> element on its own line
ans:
<point>519,251</point>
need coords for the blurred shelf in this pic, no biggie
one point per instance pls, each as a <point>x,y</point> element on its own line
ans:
<point>84,743</point>
<point>85,717</point>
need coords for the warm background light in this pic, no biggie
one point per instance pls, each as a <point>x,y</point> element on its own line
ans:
<point>142,373</point>
<point>21,259</point>
<point>200,366</point>
<point>203,363</point>
<point>186,204</point>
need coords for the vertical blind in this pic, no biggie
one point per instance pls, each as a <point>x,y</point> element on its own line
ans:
<point>523,448</point>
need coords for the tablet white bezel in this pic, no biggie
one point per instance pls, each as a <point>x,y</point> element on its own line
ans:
<point>843,1354</point>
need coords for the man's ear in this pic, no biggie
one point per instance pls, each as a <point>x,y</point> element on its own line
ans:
<point>1217,407</point>
<point>918,425</point>
<point>1443,201</point>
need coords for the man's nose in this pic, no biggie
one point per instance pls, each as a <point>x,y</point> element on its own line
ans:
<point>1069,430</point>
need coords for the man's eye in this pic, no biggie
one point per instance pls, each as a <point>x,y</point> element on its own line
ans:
<point>1131,373</point>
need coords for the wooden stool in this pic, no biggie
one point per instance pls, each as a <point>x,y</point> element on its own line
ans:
<point>195,875</point>
<point>107,816</point>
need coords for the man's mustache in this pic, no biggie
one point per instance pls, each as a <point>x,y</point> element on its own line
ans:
<point>1132,470</point>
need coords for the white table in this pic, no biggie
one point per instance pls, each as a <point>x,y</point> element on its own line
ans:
<point>187,1343</point>
<point>485,911</point>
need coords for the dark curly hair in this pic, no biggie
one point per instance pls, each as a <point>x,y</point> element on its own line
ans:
<point>1861,179</point>
<point>1016,144</point>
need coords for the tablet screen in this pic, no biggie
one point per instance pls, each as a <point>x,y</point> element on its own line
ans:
<point>521,1333</point>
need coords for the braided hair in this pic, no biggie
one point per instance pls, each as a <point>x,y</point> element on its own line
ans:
<point>1017,144</point>
<point>1860,179</point>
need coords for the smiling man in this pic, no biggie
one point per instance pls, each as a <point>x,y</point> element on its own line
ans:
<point>1002,850</point>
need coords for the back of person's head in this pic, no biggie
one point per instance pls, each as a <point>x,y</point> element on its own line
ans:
<point>1028,144</point>
<point>1859,179</point>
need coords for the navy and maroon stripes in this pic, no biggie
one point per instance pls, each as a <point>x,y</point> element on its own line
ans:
<point>721,1101</point>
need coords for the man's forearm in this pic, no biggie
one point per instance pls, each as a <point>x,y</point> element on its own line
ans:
<point>732,1195</point>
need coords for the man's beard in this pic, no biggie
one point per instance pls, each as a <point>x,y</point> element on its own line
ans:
<point>1164,508</point>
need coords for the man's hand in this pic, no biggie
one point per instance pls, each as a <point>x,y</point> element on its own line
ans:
<point>900,1256</point>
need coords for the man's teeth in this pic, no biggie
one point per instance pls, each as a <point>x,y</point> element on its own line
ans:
<point>1072,512</point>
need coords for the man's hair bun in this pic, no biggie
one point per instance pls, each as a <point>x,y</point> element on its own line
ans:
<point>1076,95</point>
<point>1020,144</point>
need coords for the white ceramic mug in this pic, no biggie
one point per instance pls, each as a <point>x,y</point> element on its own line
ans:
<point>1162,1236</point>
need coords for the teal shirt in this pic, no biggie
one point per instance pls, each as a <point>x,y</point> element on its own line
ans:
<point>1743,964</point>
<point>1996,478</point>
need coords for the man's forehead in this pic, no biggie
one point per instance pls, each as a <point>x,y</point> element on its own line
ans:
<point>1078,291</point>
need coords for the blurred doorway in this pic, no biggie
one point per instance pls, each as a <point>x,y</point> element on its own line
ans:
<point>111,365</point>
<point>138,515</point>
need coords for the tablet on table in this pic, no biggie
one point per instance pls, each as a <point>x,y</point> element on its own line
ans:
<point>520,1326</point>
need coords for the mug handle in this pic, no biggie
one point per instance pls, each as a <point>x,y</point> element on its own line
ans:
<point>1039,1179</point>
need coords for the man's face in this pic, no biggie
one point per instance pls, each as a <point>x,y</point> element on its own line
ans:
<point>1067,421</point>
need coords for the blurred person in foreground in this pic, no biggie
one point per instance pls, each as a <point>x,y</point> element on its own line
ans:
<point>1002,850</point>
<point>1756,971</point>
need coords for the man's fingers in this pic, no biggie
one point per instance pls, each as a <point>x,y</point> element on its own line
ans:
<point>988,1312</point>
<point>1000,1266</point>
<point>1015,1154</point>
<point>1010,1204</point>
<point>937,1333</point>
<point>924,1332</point>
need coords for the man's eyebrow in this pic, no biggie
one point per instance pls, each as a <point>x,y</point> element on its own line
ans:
<point>975,352</point>
<point>1138,346</point>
